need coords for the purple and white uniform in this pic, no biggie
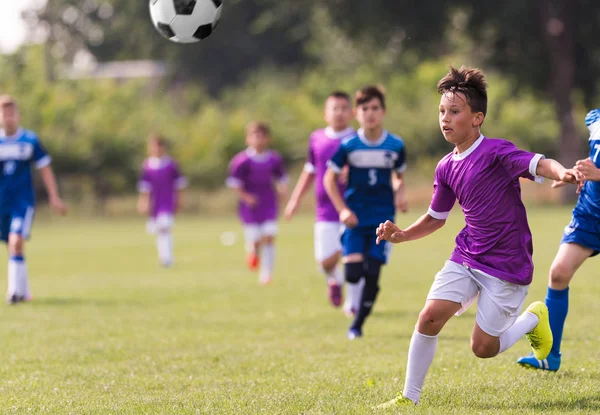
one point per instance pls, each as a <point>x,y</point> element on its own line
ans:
<point>161,178</point>
<point>493,254</point>
<point>322,145</point>
<point>257,174</point>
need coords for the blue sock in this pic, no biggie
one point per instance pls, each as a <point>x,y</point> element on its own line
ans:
<point>557,302</point>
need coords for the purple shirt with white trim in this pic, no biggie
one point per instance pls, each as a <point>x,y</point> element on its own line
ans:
<point>161,178</point>
<point>485,180</point>
<point>322,145</point>
<point>257,174</point>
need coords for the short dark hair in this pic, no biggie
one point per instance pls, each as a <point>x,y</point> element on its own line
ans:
<point>258,126</point>
<point>6,101</point>
<point>158,139</point>
<point>468,81</point>
<point>368,93</point>
<point>339,95</point>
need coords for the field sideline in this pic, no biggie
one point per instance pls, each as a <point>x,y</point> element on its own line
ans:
<point>109,332</point>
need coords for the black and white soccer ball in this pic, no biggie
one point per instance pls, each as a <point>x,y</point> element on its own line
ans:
<point>185,21</point>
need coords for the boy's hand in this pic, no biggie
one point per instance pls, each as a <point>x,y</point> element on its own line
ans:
<point>588,169</point>
<point>401,203</point>
<point>142,207</point>
<point>290,209</point>
<point>58,205</point>
<point>572,176</point>
<point>348,218</point>
<point>250,200</point>
<point>389,232</point>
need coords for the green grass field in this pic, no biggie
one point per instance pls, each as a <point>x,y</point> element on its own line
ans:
<point>109,332</point>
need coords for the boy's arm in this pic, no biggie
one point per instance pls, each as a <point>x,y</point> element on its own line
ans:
<point>399,191</point>
<point>552,169</point>
<point>304,182</point>
<point>143,204</point>
<point>347,217</point>
<point>52,188</point>
<point>423,226</point>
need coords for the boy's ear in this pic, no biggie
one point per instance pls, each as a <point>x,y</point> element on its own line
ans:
<point>478,120</point>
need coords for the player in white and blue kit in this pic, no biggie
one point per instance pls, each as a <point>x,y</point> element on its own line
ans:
<point>376,161</point>
<point>580,241</point>
<point>19,150</point>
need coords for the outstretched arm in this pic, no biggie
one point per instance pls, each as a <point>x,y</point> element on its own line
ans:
<point>304,182</point>
<point>423,226</point>
<point>51,187</point>
<point>552,169</point>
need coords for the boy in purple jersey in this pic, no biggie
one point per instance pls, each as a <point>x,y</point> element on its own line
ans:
<point>160,188</point>
<point>493,255</point>
<point>323,144</point>
<point>258,176</point>
<point>20,150</point>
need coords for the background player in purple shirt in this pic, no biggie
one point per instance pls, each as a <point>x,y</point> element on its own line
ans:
<point>493,255</point>
<point>322,145</point>
<point>160,188</point>
<point>258,176</point>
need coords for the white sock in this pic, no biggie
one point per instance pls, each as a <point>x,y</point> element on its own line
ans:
<point>164,243</point>
<point>356,293</point>
<point>23,280</point>
<point>420,356</point>
<point>12,277</point>
<point>334,277</point>
<point>523,325</point>
<point>267,261</point>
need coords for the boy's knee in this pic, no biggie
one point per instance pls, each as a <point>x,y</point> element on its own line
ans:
<point>429,322</point>
<point>484,350</point>
<point>354,271</point>
<point>15,244</point>
<point>560,274</point>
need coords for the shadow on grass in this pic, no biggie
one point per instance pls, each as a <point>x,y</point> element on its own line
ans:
<point>590,403</point>
<point>74,301</point>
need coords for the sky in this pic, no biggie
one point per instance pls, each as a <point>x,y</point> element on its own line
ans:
<point>12,28</point>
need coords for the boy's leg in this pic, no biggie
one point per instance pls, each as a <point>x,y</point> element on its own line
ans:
<point>327,254</point>
<point>164,239</point>
<point>252,236</point>
<point>268,230</point>
<point>353,246</point>
<point>18,279</point>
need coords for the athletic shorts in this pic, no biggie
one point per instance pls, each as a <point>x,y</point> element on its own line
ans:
<point>17,221</point>
<point>253,232</point>
<point>584,232</point>
<point>161,222</point>
<point>362,240</point>
<point>327,240</point>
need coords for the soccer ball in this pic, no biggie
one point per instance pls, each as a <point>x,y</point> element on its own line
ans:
<point>185,21</point>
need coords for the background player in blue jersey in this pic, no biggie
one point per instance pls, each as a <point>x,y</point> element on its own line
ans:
<point>581,240</point>
<point>372,155</point>
<point>19,150</point>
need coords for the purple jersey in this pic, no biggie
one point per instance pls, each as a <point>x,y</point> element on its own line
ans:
<point>161,178</point>
<point>322,145</point>
<point>256,174</point>
<point>485,180</point>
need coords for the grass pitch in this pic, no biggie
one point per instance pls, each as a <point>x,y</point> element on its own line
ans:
<point>110,332</point>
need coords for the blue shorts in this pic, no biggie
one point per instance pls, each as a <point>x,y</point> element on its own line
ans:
<point>584,232</point>
<point>17,221</point>
<point>362,240</point>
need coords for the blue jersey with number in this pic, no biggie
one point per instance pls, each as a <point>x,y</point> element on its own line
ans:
<point>369,193</point>
<point>17,155</point>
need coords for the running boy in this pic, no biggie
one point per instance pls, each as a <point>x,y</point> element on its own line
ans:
<point>580,241</point>
<point>160,187</point>
<point>372,156</point>
<point>493,255</point>
<point>258,176</point>
<point>19,150</point>
<point>322,145</point>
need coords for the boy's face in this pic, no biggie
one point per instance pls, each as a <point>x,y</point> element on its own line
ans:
<point>370,114</point>
<point>9,117</point>
<point>258,140</point>
<point>155,149</point>
<point>338,113</point>
<point>457,120</point>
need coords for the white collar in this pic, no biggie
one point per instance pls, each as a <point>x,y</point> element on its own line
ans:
<point>15,136</point>
<point>364,139</point>
<point>336,135</point>
<point>158,162</point>
<point>468,151</point>
<point>251,152</point>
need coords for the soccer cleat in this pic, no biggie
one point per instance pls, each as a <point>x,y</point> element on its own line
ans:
<point>552,362</point>
<point>354,333</point>
<point>14,299</point>
<point>398,401</point>
<point>540,338</point>
<point>335,294</point>
<point>252,261</point>
<point>265,280</point>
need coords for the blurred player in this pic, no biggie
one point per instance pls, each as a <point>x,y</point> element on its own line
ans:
<point>160,188</point>
<point>322,145</point>
<point>372,155</point>
<point>492,260</point>
<point>19,150</point>
<point>258,176</point>
<point>580,241</point>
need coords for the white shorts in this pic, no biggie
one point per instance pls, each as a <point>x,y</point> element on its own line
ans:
<point>500,302</point>
<point>162,222</point>
<point>327,240</point>
<point>254,232</point>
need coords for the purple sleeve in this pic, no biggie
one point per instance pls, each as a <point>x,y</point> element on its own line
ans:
<point>279,169</point>
<point>443,198</point>
<point>518,163</point>
<point>238,173</point>
<point>181,182</point>
<point>144,184</point>
<point>309,166</point>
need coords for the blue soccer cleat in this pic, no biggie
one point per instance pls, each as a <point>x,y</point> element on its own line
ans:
<point>552,362</point>
<point>354,333</point>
